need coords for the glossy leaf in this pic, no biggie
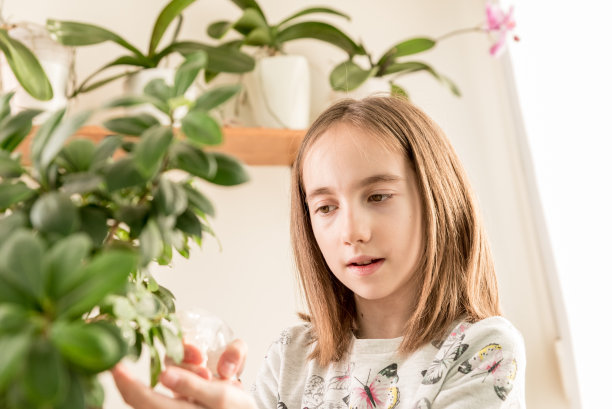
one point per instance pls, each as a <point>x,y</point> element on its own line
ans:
<point>230,171</point>
<point>56,138</point>
<point>218,29</point>
<point>151,149</point>
<point>169,13</point>
<point>214,97</point>
<point>201,128</point>
<point>170,198</point>
<point>77,155</point>
<point>9,167</point>
<point>158,88</point>
<point>107,272</point>
<point>14,349</point>
<point>21,261</point>
<point>46,376</point>
<point>155,366</point>
<point>134,125</point>
<point>320,31</point>
<point>81,182</point>
<point>407,47</point>
<point>250,20</point>
<point>26,67</point>
<point>14,129</point>
<point>150,242</point>
<point>43,134</point>
<point>198,201</point>
<point>313,10</point>
<point>10,223</point>
<point>135,100</point>
<point>397,90</point>
<point>5,104</point>
<point>188,71</point>
<point>193,160</point>
<point>220,59</point>
<point>259,36</point>
<point>189,224</point>
<point>93,223</point>
<point>75,398</point>
<point>173,342</point>
<point>134,216</point>
<point>348,76</point>
<point>11,193</point>
<point>13,319</point>
<point>248,4</point>
<point>414,66</point>
<point>63,262</point>
<point>54,212</point>
<point>79,34</point>
<point>94,347</point>
<point>105,150</point>
<point>122,174</point>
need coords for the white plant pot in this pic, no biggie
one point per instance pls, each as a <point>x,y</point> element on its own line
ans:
<point>56,61</point>
<point>372,86</point>
<point>136,83</point>
<point>278,91</point>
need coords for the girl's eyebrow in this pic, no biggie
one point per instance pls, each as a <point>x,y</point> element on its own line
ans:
<point>370,180</point>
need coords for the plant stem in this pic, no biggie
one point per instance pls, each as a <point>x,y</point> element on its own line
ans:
<point>459,31</point>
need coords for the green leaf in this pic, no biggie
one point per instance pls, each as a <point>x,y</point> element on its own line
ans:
<point>166,297</point>
<point>407,47</point>
<point>63,262</point>
<point>107,272</point>
<point>201,128</point>
<point>259,36</point>
<point>398,91</point>
<point>230,171</point>
<point>26,67</point>
<point>74,398</point>
<point>11,222</point>
<point>9,167</point>
<point>21,260</point>
<point>173,342</point>
<point>14,349</point>
<point>94,393</point>
<point>13,319</point>
<point>192,160</point>
<point>151,149</point>
<point>135,100</point>
<point>134,216</point>
<point>123,173</point>
<point>212,98</point>
<point>131,125</point>
<point>313,10</point>
<point>218,29</point>
<point>170,198</point>
<point>248,4</point>
<point>250,20</point>
<point>155,366</point>
<point>105,150</point>
<point>150,242</point>
<point>220,59</point>
<point>198,201</point>
<point>93,347</point>
<point>348,76</point>
<point>189,224</point>
<point>414,66</point>
<point>158,88</point>
<point>14,129</point>
<point>81,182</point>
<point>46,377</point>
<point>93,223</point>
<point>54,212</point>
<point>56,138</point>
<point>77,155</point>
<point>5,105</point>
<point>11,193</point>
<point>43,134</point>
<point>86,86</point>
<point>169,13</point>
<point>188,71</point>
<point>320,31</point>
<point>75,34</point>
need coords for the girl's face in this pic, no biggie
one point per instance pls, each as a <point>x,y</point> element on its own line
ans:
<point>365,212</point>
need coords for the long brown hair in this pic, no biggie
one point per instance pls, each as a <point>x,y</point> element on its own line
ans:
<point>455,274</point>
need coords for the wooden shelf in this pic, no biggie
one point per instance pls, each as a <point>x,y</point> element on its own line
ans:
<point>253,146</point>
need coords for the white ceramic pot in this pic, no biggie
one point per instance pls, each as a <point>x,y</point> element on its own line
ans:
<point>54,58</point>
<point>278,91</point>
<point>372,86</point>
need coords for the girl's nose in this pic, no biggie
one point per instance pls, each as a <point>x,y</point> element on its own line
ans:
<point>356,227</point>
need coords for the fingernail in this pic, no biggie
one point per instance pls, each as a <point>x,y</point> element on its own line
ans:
<point>169,377</point>
<point>227,369</point>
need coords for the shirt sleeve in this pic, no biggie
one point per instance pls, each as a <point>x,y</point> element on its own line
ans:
<point>487,369</point>
<point>265,388</point>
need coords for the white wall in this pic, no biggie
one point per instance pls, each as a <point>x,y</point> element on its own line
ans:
<point>250,282</point>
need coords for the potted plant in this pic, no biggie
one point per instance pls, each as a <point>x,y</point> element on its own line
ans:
<point>278,88</point>
<point>382,74</point>
<point>80,34</point>
<point>79,227</point>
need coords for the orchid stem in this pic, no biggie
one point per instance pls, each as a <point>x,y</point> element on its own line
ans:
<point>460,31</point>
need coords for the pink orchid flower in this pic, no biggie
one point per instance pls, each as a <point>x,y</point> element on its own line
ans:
<point>501,23</point>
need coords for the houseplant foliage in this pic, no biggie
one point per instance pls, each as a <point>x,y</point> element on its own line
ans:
<point>78,34</point>
<point>81,225</point>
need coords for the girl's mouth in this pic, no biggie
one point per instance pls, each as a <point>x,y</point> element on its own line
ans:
<point>366,267</point>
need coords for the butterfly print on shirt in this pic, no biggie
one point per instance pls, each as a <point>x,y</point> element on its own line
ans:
<point>451,349</point>
<point>382,392</point>
<point>491,360</point>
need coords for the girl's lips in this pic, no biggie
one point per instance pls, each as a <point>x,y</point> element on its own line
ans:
<point>367,269</point>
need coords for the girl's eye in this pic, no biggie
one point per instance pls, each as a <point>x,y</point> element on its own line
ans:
<point>379,197</point>
<point>325,209</point>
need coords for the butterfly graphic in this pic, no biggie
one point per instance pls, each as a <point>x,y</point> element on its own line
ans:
<point>381,392</point>
<point>315,392</point>
<point>491,360</point>
<point>452,349</point>
<point>341,382</point>
<point>422,403</point>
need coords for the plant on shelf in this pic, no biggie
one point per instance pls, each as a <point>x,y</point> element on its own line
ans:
<point>348,75</point>
<point>80,34</point>
<point>81,225</point>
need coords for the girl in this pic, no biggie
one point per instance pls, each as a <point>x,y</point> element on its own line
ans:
<point>397,275</point>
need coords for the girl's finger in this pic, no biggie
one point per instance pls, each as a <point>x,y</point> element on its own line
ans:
<point>139,396</point>
<point>201,371</point>
<point>231,361</point>
<point>193,355</point>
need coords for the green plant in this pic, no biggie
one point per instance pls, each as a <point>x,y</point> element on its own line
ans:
<point>25,66</point>
<point>80,34</point>
<point>80,227</point>
<point>255,29</point>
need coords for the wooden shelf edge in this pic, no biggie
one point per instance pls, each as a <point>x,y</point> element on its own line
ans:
<point>253,146</point>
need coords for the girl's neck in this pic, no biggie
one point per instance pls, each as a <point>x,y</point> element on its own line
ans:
<point>383,319</point>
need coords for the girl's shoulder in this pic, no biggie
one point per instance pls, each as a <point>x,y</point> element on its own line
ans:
<point>493,329</point>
